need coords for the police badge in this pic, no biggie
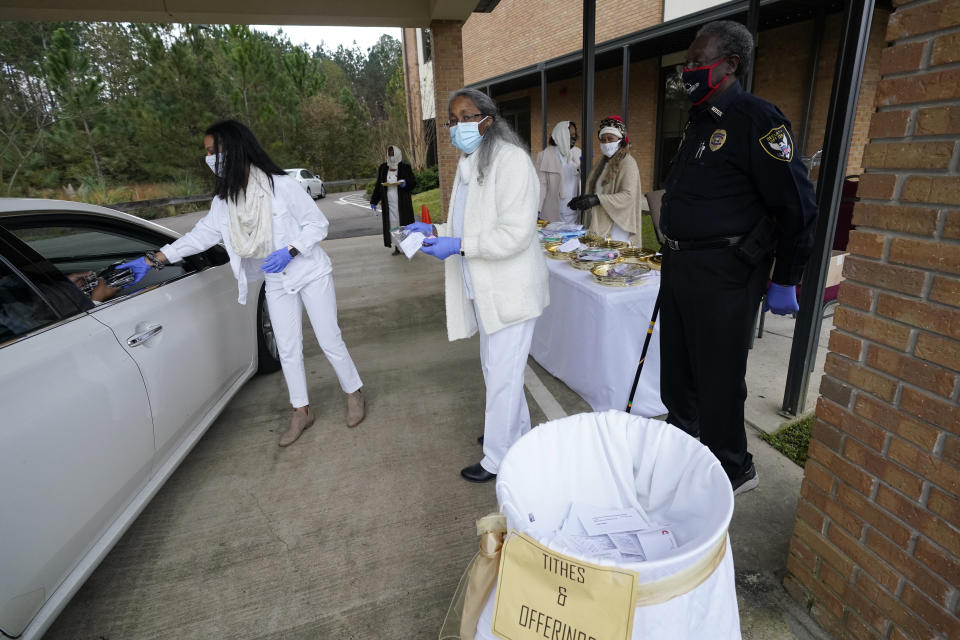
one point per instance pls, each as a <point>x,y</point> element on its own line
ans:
<point>717,138</point>
<point>777,143</point>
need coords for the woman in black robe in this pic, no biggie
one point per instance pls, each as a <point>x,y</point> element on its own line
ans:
<point>395,183</point>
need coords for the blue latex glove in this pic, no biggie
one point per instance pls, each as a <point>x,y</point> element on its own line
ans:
<point>402,183</point>
<point>373,207</point>
<point>277,261</point>
<point>781,299</point>
<point>422,227</point>
<point>442,247</point>
<point>138,267</point>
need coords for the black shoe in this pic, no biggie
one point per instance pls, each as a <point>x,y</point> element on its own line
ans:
<point>745,480</point>
<point>476,473</point>
<point>479,439</point>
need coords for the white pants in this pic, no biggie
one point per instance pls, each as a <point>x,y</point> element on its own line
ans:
<point>503,356</point>
<point>286,315</point>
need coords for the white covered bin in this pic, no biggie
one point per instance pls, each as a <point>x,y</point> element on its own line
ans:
<point>616,460</point>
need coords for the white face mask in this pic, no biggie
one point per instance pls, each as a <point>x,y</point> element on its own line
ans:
<point>213,161</point>
<point>609,148</point>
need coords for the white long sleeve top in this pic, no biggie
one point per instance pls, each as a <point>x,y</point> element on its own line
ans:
<point>508,275</point>
<point>297,222</point>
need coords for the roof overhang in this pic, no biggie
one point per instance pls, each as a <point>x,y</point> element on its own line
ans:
<point>377,13</point>
<point>660,39</point>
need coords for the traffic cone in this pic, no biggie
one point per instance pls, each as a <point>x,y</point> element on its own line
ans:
<point>425,214</point>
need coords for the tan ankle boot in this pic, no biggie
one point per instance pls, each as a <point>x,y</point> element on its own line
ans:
<point>299,422</point>
<point>356,408</point>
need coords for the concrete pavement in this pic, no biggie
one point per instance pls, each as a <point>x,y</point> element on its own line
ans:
<point>363,533</point>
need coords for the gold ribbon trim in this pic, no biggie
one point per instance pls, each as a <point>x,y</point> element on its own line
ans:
<point>483,573</point>
<point>685,581</point>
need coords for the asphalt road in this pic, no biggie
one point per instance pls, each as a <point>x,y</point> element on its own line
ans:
<point>349,215</point>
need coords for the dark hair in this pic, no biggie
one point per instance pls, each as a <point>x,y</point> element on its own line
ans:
<point>733,39</point>
<point>240,149</point>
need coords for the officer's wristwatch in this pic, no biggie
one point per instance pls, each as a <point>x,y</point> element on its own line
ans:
<point>294,252</point>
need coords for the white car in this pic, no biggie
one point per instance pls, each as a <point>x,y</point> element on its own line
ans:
<point>99,403</point>
<point>312,184</point>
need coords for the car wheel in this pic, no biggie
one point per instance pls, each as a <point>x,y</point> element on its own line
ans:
<point>310,193</point>
<point>323,192</point>
<point>268,356</point>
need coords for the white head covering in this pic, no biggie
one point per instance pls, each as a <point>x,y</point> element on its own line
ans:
<point>561,135</point>
<point>613,130</point>
<point>394,156</point>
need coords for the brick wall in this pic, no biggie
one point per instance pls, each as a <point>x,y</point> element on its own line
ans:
<point>877,538</point>
<point>783,61</point>
<point>519,33</point>
<point>447,77</point>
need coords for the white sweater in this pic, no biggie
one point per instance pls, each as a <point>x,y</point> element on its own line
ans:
<point>501,252</point>
<point>297,222</point>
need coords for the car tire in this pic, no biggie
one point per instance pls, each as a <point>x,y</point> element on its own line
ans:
<point>310,193</point>
<point>268,357</point>
<point>323,192</point>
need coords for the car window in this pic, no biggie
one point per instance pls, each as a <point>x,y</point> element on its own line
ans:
<point>305,174</point>
<point>22,309</point>
<point>292,173</point>
<point>80,252</point>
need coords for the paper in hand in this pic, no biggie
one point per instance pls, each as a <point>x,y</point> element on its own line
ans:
<point>411,244</point>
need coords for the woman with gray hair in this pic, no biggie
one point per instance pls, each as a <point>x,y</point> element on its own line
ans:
<point>495,274</point>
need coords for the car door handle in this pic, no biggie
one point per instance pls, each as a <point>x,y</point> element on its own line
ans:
<point>140,338</point>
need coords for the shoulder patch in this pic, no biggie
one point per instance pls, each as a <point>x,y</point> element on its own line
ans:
<point>717,138</point>
<point>777,143</point>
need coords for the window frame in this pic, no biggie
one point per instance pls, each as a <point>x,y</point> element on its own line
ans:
<point>94,222</point>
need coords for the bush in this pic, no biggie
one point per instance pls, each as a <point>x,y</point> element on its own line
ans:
<point>427,179</point>
<point>370,187</point>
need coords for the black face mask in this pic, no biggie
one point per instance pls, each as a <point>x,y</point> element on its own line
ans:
<point>698,81</point>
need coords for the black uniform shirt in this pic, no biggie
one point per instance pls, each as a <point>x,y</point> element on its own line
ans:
<point>736,163</point>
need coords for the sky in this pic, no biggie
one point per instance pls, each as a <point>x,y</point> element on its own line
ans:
<point>365,37</point>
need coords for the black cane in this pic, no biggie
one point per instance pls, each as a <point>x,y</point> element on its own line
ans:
<point>643,353</point>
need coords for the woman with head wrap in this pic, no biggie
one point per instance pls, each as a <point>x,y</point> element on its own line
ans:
<point>395,183</point>
<point>613,191</point>
<point>559,169</point>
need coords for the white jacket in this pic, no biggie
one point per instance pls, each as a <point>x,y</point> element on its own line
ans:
<point>297,222</point>
<point>501,251</point>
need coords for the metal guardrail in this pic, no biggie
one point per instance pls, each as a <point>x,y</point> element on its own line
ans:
<point>359,183</point>
<point>158,202</point>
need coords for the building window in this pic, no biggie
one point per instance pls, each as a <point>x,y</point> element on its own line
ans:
<point>427,45</point>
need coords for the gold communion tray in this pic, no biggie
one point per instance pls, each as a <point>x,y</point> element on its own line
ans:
<point>636,252</point>
<point>578,261</point>
<point>655,262</point>
<point>541,223</point>
<point>592,240</point>
<point>552,251</point>
<point>623,273</point>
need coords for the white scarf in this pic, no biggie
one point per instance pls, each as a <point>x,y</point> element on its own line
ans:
<point>251,217</point>
<point>394,156</point>
<point>561,135</point>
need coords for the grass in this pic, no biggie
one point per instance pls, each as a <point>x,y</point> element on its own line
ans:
<point>792,439</point>
<point>430,198</point>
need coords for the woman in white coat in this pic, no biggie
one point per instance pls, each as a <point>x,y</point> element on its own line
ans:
<point>495,274</point>
<point>558,167</point>
<point>271,229</point>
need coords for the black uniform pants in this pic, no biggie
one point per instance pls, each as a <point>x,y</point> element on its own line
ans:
<point>709,301</point>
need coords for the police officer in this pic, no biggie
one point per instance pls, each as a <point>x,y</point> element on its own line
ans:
<point>737,195</point>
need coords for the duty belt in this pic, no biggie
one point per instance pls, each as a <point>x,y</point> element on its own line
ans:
<point>696,245</point>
